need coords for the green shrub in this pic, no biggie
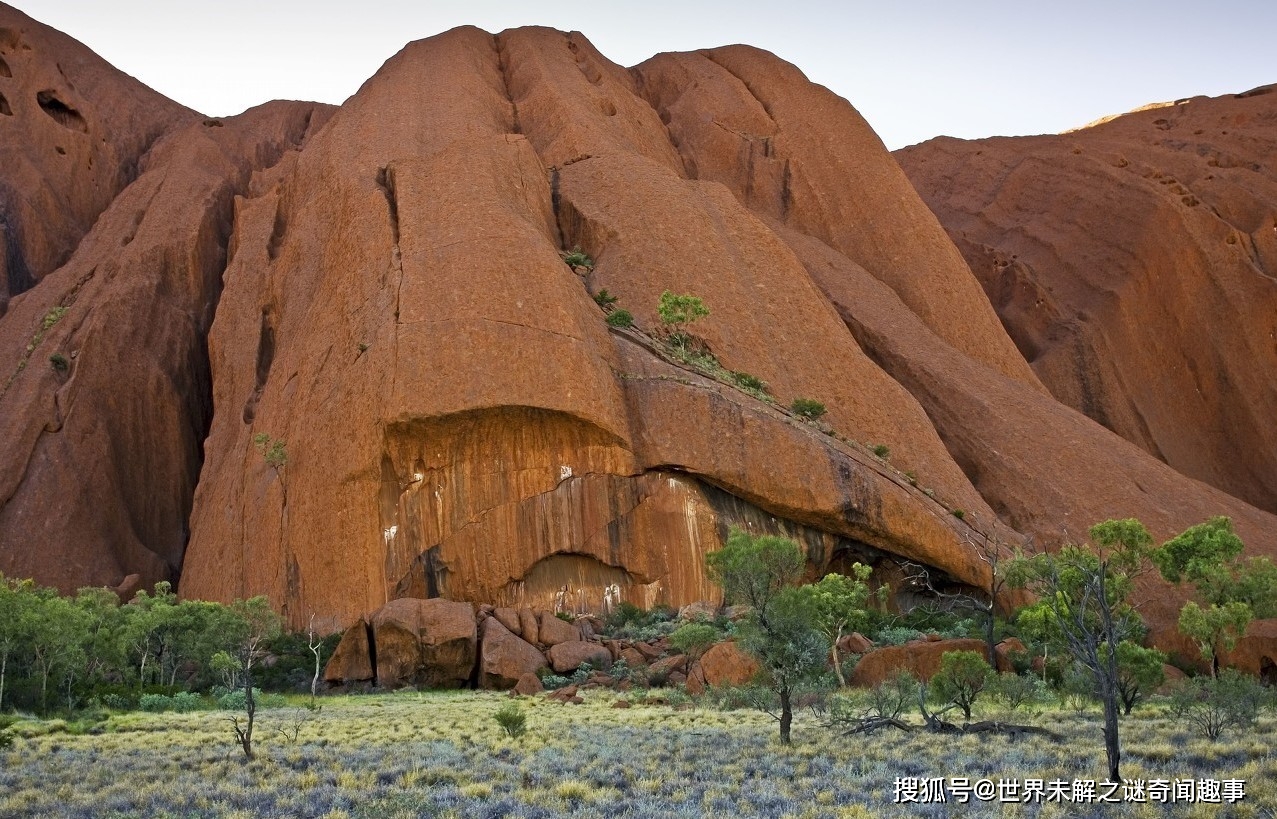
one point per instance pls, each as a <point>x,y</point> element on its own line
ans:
<point>807,408</point>
<point>272,449</point>
<point>959,514</point>
<point>578,258</point>
<point>186,701</point>
<point>117,702</point>
<point>552,681</point>
<point>748,382</point>
<point>1016,690</point>
<point>620,318</point>
<point>882,451</point>
<point>962,678</point>
<point>893,695</point>
<point>605,299</point>
<point>235,700</point>
<point>59,362</point>
<point>1213,704</point>
<point>155,703</point>
<point>512,720</point>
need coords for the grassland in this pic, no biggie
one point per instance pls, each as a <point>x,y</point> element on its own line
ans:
<point>441,754</point>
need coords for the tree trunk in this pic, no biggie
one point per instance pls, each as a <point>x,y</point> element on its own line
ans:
<point>4,664</point>
<point>990,645</point>
<point>1111,746</point>
<point>833,655</point>
<point>786,715</point>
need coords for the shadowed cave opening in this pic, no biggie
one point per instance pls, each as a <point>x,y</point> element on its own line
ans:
<point>60,112</point>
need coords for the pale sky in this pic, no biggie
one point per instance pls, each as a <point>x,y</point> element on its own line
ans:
<point>914,69</point>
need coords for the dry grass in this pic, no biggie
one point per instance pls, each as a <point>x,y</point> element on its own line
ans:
<point>442,754</point>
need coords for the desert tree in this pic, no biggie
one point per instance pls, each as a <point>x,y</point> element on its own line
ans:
<point>252,627</point>
<point>962,678</point>
<point>838,602</point>
<point>1082,606</point>
<point>678,311</point>
<point>1230,592</point>
<point>762,572</point>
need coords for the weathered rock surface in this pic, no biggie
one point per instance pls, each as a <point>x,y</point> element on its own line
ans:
<point>552,630</point>
<point>104,380</point>
<point>567,657</point>
<point>406,393</point>
<point>504,658</point>
<point>73,134</point>
<point>726,664</point>
<point>352,659</point>
<point>1134,262</point>
<point>431,643</point>
<point>921,658</point>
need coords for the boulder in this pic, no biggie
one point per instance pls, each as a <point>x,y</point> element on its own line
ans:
<point>529,629</point>
<point>855,643</point>
<point>504,658</point>
<point>510,619</point>
<point>921,658</point>
<point>528,684</point>
<point>351,661</point>
<point>727,664</point>
<point>552,630</point>
<point>567,657</point>
<point>430,643</point>
<point>663,668</point>
<point>633,657</point>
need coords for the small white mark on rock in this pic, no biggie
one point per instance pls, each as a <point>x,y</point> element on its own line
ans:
<point>565,472</point>
<point>389,534</point>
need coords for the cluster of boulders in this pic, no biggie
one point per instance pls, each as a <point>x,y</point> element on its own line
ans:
<point>440,643</point>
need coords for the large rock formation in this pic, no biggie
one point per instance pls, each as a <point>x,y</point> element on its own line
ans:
<point>73,131</point>
<point>406,392</point>
<point>1134,262</point>
<point>104,384</point>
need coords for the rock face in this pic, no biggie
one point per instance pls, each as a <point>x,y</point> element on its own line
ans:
<point>73,132</point>
<point>336,357</point>
<point>116,207</point>
<point>1134,262</point>
<point>504,659</point>
<point>921,658</point>
<point>432,643</point>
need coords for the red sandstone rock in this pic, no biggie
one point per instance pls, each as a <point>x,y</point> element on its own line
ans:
<point>529,628</point>
<point>855,643</point>
<point>1134,262</point>
<point>664,668</point>
<point>510,619</point>
<point>633,657</point>
<point>528,684</point>
<point>1006,651</point>
<point>342,253</point>
<point>505,658</point>
<point>553,631</point>
<point>921,658</point>
<point>431,643</point>
<point>726,664</point>
<point>567,657</point>
<point>351,660</point>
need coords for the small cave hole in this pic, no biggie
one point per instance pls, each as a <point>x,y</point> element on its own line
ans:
<point>4,107</point>
<point>608,109</point>
<point>4,69</point>
<point>60,112</point>
<point>61,151</point>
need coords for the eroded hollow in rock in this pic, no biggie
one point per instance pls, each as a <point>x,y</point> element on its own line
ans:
<point>60,112</point>
<point>4,107</point>
<point>4,69</point>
